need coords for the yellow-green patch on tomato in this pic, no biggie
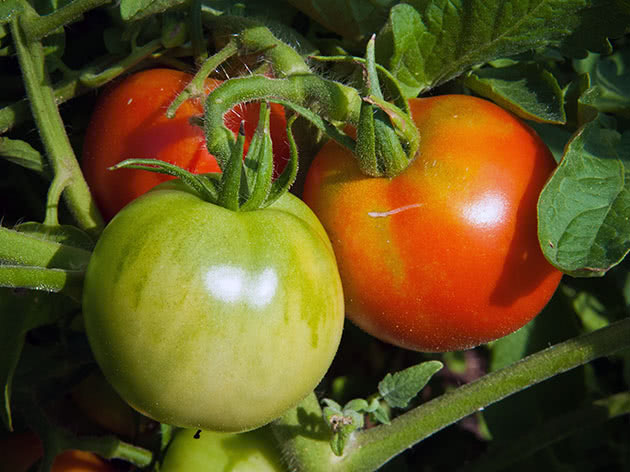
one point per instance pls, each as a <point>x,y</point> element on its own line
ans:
<point>207,318</point>
<point>254,451</point>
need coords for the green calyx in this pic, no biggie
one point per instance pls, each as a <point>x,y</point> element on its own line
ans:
<point>387,138</point>
<point>244,184</point>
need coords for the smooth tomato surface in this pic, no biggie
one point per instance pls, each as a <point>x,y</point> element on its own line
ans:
<point>254,451</point>
<point>206,318</point>
<point>129,121</point>
<point>444,256</point>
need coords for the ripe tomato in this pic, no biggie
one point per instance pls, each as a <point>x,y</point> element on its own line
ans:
<point>129,121</point>
<point>444,256</point>
<point>206,318</point>
<point>20,451</point>
<point>254,451</point>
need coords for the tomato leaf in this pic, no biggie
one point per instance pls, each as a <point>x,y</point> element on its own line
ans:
<point>137,9</point>
<point>526,90</point>
<point>428,42</point>
<point>22,154</point>
<point>399,388</point>
<point>584,224</point>
<point>352,19</point>
<point>610,83</point>
<point>19,313</point>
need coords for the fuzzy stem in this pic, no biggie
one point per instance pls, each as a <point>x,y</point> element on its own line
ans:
<point>20,248</point>
<point>331,99</point>
<point>369,449</point>
<point>38,27</point>
<point>58,148</point>
<point>68,282</point>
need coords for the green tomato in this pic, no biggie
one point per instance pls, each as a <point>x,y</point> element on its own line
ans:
<point>206,318</point>
<point>254,451</point>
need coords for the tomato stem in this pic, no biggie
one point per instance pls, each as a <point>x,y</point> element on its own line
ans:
<point>38,27</point>
<point>51,127</point>
<point>254,37</point>
<point>68,282</point>
<point>196,85</point>
<point>333,100</point>
<point>371,448</point>
<point>80,82</point>
<point>23,249</point>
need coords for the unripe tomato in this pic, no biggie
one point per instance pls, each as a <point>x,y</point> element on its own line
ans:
<point>202,317</point>
<point>254,451</point>
<point>130,121</point>
<point>445,256</point>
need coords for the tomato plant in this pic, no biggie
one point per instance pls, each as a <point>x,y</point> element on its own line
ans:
<point>253,451</point>
<point>186,318</point>
<point>80,461</point>
<point>198,315</point>
<point>20,451</point>
<point>130,121</point>
<point>98,401</point>
<point>444,256</point>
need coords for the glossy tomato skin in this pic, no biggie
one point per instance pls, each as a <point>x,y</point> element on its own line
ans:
<point>253,451</point>
<point>206,318</point>
<point>444,256</point>
<point>130,121</point>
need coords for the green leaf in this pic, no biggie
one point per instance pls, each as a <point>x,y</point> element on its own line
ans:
<point>351,19</point>
<point>399,388</point>
<point>380,415</point>
<point>610,90</point>
<point>438,40</point>
<point>591,311</point>
<point>19,313</point>
<point>584,210</point>
<point>526,90</point>
<point>138,9</point>
<point>23,154</point>
<point>555,137</point>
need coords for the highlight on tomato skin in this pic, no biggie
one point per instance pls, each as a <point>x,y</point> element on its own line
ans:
<point>129,121</point>
<point>444,256</point>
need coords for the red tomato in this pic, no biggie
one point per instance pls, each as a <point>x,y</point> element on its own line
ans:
<point>130,122</point>
<point>444,256</point>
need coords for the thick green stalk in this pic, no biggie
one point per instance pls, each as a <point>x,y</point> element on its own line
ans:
<point>22,249</point>
<point>89,78</point>
<point>305,438</point>
<point>331,99</point>
<point>38,27</point>
<point>371,448</point>
<point>68,282</point>
<point>58,148</point>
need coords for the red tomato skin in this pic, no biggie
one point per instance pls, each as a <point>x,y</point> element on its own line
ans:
<point>129,121</point>
<point>446,255</point>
